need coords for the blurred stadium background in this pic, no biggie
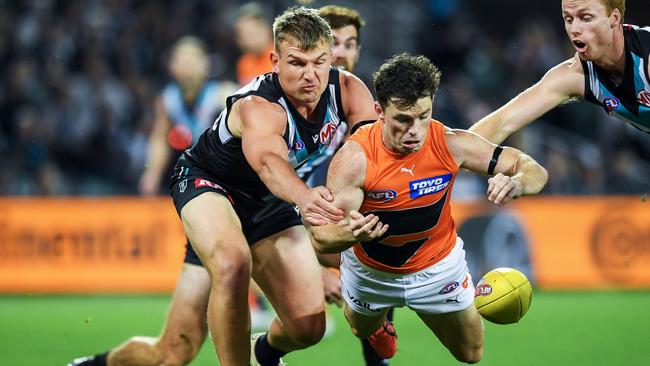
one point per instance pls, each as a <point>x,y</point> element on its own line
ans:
<point>86,263</point>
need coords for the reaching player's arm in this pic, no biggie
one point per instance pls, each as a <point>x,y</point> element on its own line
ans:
<point>266,151</point>
<point>345,182</point>
<point>560,84</point>
<point>159,151</point>
<point>358,104</point>
<point>515,173</point>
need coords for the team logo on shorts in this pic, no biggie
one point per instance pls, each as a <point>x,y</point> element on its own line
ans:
<point>426,186</point>
<point>200,182</point>
<point>182,186</point>
<point>643,98</point>
<point>483,290</point>
<point>611,103</point>
<point>383,195</point>
<point>449,288</point>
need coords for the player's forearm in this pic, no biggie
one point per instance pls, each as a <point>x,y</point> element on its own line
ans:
<point>159,155</point>
<point>280,178</point>
<point>332,238</point>
<point>531,176</point>
<point>494,127</point>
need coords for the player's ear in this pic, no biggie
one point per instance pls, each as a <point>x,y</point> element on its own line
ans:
<point>379,111</point>
<point>615,18</point>
<point>275,60</point>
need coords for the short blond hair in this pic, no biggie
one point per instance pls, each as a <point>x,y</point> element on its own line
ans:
<point>303,27</point>
<point>615,4</point>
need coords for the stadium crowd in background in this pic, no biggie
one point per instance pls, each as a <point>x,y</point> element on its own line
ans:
<point>78,79</point>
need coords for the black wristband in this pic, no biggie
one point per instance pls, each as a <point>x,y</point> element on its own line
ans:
<point>494,160</point>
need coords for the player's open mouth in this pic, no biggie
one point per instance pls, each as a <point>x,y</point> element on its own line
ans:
<point>411,143</point>
<point>580,46</point>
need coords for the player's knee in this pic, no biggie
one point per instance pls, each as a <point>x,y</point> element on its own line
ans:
<point>231,269</point>
<point>470,354</point>
<point>146,350</point>
<point>307,331</point>
<point>178,349</point>
<point>361,333</point>
<point>177,356</point>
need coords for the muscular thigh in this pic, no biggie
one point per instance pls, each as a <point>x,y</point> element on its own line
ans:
<point>211,224</point>
<point>286,268</point>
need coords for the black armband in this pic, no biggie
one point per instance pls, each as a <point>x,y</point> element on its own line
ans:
<point>359,124</point>
<point>494,160</point>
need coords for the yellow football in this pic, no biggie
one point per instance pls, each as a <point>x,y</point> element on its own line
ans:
<point>503,296</point>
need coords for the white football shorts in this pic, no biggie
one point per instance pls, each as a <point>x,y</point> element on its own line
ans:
<point>444,287</point>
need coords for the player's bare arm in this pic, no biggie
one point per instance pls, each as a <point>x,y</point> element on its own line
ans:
<point>159,151</point>
<point>358,104</point>
<point>558,85</point>
<point>266,151</point>
<point>515,173</point>
<point>345,180</point>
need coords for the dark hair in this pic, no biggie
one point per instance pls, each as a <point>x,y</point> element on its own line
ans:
<point>404,79</point>
<point>340,16</point>
<point>301,26</point>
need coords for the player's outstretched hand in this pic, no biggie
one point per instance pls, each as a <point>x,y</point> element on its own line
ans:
<point>317,209</point>
<point>366,228</point>
<point>502,189</point>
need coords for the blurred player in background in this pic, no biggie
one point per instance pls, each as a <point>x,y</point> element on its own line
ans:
<point>405,251</point>
<point>186,107</point>
<point>610,69</point>
<point>254,37</point>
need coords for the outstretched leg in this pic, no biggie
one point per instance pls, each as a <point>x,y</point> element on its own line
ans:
<point>184,332</point>
<point>283,264</point>
<point>215,232</point>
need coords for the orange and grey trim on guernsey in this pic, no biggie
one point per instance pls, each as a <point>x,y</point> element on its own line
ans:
<point>411,193</point>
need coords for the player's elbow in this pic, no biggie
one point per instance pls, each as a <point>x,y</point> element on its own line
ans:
<point>541,178</point>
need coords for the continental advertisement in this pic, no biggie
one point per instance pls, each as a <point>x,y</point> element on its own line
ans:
<point>89,245</point>
<point>112,245</point>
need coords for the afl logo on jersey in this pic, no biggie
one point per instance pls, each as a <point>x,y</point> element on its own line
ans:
<point>297,145</point>
<point>611,103</point>
<point>382,195</point>
<point>643,98</point>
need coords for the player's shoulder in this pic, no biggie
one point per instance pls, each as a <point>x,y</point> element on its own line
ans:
<point>348,79</point>
<point>349,160</point>
<point>570,67</point>
<point>256,106</point>
<point>567,78</point>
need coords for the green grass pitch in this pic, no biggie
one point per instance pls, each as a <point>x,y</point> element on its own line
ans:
<point>561,328</point>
